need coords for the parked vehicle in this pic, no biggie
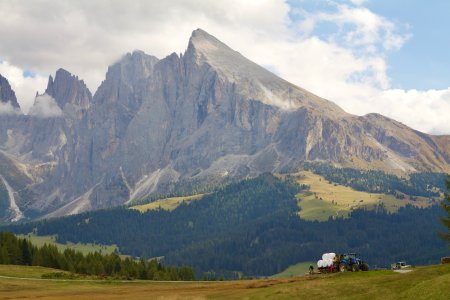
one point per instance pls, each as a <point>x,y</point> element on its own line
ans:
<point>400,265</point>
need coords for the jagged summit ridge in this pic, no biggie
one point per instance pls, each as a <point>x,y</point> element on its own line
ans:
<point>68,89</point>
<point>252,79</point>
<point>133,66</point>
<point>208,115</point>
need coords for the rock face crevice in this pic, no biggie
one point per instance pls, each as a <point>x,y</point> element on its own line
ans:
<point>207,114</point>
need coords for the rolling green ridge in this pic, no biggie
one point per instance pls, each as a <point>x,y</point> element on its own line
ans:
<point>425,184</point>
<point>17,251</point>
<point>324,199</point>
<point>253,227</point>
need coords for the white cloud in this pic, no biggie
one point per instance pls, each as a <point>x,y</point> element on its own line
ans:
<point>357,27</point>
<point>427,110</point>
<point>7,109</point>
<point>45,106</point>
<point>85,37</point>
<point>24,87</point>
<point>347,65</point>
<point>358,2</point>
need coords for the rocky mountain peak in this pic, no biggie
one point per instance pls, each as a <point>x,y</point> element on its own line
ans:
<point>7,95</point>
<point>122,78</point>
<point>252,80</point>
<point>68,89</point>
<point>208,49</point>
<point>132,67</point>
<point>205,116</point>
<point>205,42</point>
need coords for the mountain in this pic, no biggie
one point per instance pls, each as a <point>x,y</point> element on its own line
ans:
<point>209,115</point>
<point>8,100</point>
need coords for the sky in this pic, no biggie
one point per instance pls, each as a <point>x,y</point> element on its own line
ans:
<point>388,57</point>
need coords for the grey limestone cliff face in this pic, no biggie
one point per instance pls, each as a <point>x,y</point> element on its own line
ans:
<point>209,113</point>
<point>70,93</point>
<point>7,95</point>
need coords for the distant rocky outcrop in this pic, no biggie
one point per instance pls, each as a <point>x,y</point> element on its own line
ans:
<point>7,95</point>
<point>70,93</point>
<point>209,114</point>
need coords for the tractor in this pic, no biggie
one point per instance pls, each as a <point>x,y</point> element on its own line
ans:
<point>351,262</point>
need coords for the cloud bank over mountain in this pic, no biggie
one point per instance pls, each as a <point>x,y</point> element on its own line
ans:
<point>45,106</point>
<point>340,53</point>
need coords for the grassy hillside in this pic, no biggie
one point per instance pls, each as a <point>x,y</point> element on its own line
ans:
<point>167,203</point>
<point>430,282</point>
<point>252,227</point>
<point>425,184</point>
<point>321,201</point>
<point>324,199</point>
<point>84,248</point>
<point>26,271</point>
<point>295,270</point>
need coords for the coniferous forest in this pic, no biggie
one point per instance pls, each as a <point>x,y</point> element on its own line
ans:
<point>425,184</point>
<point>17,251</point>
<point>252,227</point>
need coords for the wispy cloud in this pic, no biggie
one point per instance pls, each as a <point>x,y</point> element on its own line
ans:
<point>45,106</point>
<point>25,86</point>
<point>358,26</point>
<point>358,2</point>
<point>7,109</point>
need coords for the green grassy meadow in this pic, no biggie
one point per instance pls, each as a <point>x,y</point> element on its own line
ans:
<point>295,270</point>
<point>324,199</point>
<point>83,248</point>
<point>167,203</point>
<point>28,272</point>
<point>430,282</point>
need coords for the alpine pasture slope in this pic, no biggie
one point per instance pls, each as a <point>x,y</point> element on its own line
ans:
<point>430,282</point>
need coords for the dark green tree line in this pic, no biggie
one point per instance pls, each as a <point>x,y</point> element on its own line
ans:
<point>18,251</point>
<point>445,204</point>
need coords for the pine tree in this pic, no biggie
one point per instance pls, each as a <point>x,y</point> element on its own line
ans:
<point>445,204</point>
<point>4,257</point>
<point>26,255</point>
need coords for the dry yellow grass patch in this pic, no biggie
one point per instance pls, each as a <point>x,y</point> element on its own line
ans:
<point>324,199</point>
<point>167,203</point>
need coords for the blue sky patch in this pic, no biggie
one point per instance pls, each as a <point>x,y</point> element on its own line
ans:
<point>28,73</point>
<point>420,63</point>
